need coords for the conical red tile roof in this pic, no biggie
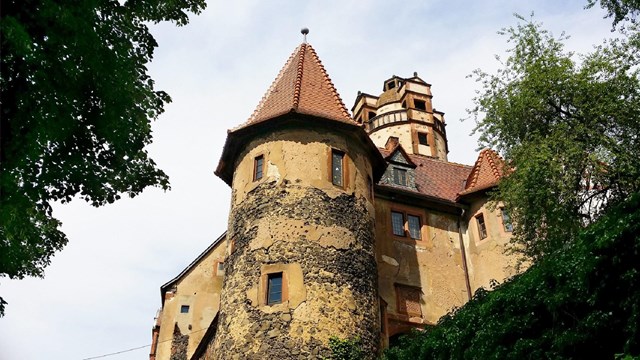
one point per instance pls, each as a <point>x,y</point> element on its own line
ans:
<point>303,87</point>
<point>486,172</point>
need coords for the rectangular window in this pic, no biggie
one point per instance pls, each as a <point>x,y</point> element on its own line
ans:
<point>274,288</point>
<point>184,309</point>
<point>258,164</point>
<point>482,227</point>
<point>400,176</point>
<point>506,221</point>
<point>220,269</point>
<point>420,104</point>
<point>408,300</point>
<point>337,159</point>
<point>422,138</point>
<point>397,223</point>
<point>414,226</point>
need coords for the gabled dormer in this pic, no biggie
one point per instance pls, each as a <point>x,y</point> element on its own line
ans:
<point>401,169</point>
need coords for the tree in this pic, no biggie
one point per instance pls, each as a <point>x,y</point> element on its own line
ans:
<point>568,129</point>
<point>77,105</point>
<point>619,10</point>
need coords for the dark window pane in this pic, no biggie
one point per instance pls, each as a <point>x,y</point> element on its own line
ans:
<point>420,105</point>
<point>274,289</point>
<point>258,164</point>
<point>506,221</point>
<point>414,226</point>
<point>422,139</point>
<point>400,176</point>
<point>482,228</point>
<point>397,223</point>
<point>184,309</point>
<point>336,168</point>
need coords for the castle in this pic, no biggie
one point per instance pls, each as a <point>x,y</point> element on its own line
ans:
<point>340,225</point>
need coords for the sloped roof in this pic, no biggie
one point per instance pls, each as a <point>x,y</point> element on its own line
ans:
<point>304,87</point>
<point>436,178</point>
<point>164,288</point>
<point>486,172</point>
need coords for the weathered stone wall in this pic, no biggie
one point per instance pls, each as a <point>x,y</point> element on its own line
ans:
<point>319,235</point>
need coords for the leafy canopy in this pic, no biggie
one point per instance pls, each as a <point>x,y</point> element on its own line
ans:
<point>76,111</point>
<point>568,127</point>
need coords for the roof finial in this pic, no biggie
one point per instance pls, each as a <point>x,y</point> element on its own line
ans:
<point>304,32</point>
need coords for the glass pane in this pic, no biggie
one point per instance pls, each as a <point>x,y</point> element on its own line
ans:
<point>336,168</point>
<point>258,165</point>
<point>274,289</point>
<point>414,226</point>
<point>506,221</point>
<point>397,222</point>
<point>400,176</point>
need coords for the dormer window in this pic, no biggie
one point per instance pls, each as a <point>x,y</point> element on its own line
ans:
<point>400,176</point>
<point>391,85</point>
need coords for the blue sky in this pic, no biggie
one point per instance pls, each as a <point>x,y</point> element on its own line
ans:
<point>101,293</point>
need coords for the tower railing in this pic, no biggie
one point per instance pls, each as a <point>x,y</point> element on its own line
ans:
<point>386,118</point>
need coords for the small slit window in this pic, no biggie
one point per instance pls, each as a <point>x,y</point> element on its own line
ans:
<point>397,223</point>
<point>400,176</point>
<point>337,164</point>
<point>220,269</point>
<point>422,138</point>
<point>274,288</point>
<point>506,221</point>
<point>258,166</point>
<point>482,227</point>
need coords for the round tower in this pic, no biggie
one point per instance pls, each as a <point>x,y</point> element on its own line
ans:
<point>300,267</point>
<point>404,110</point>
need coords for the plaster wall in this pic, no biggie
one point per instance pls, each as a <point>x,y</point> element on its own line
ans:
<point>199,289</point>
<point>432,263</point>
<point>488,258</point>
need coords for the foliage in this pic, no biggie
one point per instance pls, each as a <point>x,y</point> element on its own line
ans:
<point>345,349</point>
<point>583,303</point>
<point>77,105</point>
<point>619,10</point>
<point>569,131</point>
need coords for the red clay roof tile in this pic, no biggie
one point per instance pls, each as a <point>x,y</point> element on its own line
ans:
<point>486,172</point>
<point>303,87</point>
<point>436,178</point>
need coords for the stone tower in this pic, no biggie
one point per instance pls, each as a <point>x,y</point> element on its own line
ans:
<point>300,264</point>
<point>404,111</point>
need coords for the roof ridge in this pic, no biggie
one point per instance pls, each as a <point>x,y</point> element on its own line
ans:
<point>299,72</point>
<point>332,87</point>
<point>272,87</point>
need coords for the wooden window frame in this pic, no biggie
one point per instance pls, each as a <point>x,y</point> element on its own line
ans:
<point>264,286</point>
<point>345,172</point>
<point>503,211</point>
<point>405,221</point>
<point>399,170</point>
<point>419,227</point>
<point>216,265</point>
<point>426,138</point>
<point>482,227</point>
<point>255,167</point>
